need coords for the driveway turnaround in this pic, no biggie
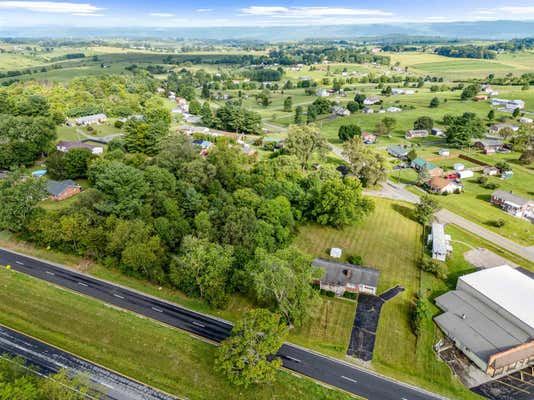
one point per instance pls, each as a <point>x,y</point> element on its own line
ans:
<point>333,372</point>
<point>50,360</point>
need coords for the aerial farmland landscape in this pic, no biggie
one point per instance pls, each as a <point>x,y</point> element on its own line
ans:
<point>266,201</point>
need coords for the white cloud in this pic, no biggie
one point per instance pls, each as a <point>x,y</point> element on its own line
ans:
<point>51,7</point>
<point>203,10</point>
<point>311,12</point>
<point>162,15</point>
<point>517,9</point>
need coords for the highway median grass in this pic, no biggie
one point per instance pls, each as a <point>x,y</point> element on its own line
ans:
<point>135,346</point>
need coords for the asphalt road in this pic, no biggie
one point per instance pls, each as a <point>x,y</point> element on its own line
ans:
<point>330,371</point>
<point>50,360</point>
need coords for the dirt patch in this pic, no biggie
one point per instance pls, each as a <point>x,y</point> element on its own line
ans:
<point>483,258</point>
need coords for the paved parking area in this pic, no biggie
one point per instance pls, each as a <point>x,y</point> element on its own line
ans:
<point>517,386</point>
<point>362,338</point>
<point>484,258</point>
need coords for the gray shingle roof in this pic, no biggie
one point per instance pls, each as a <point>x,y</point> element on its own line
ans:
<point>55,188</point>
<point>512,198</point>
<point>340,274</point>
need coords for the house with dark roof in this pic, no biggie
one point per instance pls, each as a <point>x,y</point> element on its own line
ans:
<point>416,133</point>
<point>343,277</point>
<point>61,190</point>
<point>488,145</point>
<point>64,147</point>
<point>513,204</point>
<point>397,151</point>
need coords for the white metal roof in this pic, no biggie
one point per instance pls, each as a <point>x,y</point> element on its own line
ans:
<point>439,244</point>
<point>508,288</point>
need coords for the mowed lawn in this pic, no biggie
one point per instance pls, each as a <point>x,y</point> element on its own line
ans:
<point>138,347</point>
<point>391,241</point>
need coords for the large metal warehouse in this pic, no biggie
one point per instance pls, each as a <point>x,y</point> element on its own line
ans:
<point>490,317</point>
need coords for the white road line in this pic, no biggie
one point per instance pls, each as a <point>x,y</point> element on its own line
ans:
<point>293,359</point>
<point>118,295</point>
<point>19,263</point>
<point>83,284</point>
<point>349,379</point>
<point>50,273</point>
<point>106,385</point>
<point>157,309</point>
<point>199,324</point>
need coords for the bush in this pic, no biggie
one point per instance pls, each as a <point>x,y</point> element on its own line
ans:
<point>499,223</point>
<point>118,124</point>
<point>491,185</point>
<point>350,295</point>
<point>482,180</point>
<point>355,260</point>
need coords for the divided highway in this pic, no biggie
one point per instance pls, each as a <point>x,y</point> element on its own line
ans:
<point>50,360</point>
<point>330,371</point>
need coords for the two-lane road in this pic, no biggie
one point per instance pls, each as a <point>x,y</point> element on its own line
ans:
<point>330,371</point>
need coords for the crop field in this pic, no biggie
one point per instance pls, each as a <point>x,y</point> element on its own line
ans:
<point>138,347</point>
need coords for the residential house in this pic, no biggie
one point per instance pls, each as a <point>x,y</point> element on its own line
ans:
<point>91,119</point>
<point>393,109</point>
<point>508,105</point>
<point>323,93</point>
<point>64,147</point>
<point>490,171</point>
<point>369,101</point>
<point>61,190</point>
<point>416,133</point>
<point>440,185</point>
<point>401,91</point>
<point>513,204</point>
<point>397,151</point>
<point>419,163</point>
<point>205,145</point>
<point>438,132</point>
<point>489,146</point>
<point>342,277</point>
<point>368,138</point>
<point>525,120</point>
<point>496,128</point>
<point>368,110</point>
<point>480,97</point>
<point>441,243</point>
<point>341,111</point>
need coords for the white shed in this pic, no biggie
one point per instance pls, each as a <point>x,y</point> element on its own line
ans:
<point>335,252</point>
<point>467,173</point>
<point>444,152</point>
<point>458,167</point>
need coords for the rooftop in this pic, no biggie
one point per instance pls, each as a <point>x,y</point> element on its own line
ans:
<point>55,188</point>
<point>510,197</point>
<point>337,273</point>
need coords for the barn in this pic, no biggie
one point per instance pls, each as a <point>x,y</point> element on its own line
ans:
<point>490,319</point>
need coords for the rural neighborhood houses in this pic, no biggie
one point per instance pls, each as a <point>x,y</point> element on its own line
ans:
<point>397,151</point>
<point>419,163</point>
<point>66,146</point>
<point>91,119</point>
<point>342,277</point>
<point>368,138</point>
<point>61,190</point>
<point>416,133</point>
<point>441,242</point>
<point>439,185</point>
<point>513,204</point>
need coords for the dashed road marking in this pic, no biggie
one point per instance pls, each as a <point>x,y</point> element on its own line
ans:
<point>157,309</point>
<point>118,295</point>
<point>349,379</point>
<point>199,324</point>
<point>83,284</point>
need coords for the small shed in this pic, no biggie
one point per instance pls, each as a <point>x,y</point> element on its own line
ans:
<point>444,152</point>
<point>466,173</point>
<point>335,252</point>
<point>458,167</point>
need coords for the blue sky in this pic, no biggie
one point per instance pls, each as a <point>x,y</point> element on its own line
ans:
<point>206,13</point>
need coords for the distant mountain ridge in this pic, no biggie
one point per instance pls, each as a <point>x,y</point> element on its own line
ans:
<point>486,30</point>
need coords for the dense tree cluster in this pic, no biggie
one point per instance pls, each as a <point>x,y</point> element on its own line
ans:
<point>467,51</point>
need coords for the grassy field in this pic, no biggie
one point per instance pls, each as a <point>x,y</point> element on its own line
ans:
<point>140,348</point>
<point>391,242</point>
